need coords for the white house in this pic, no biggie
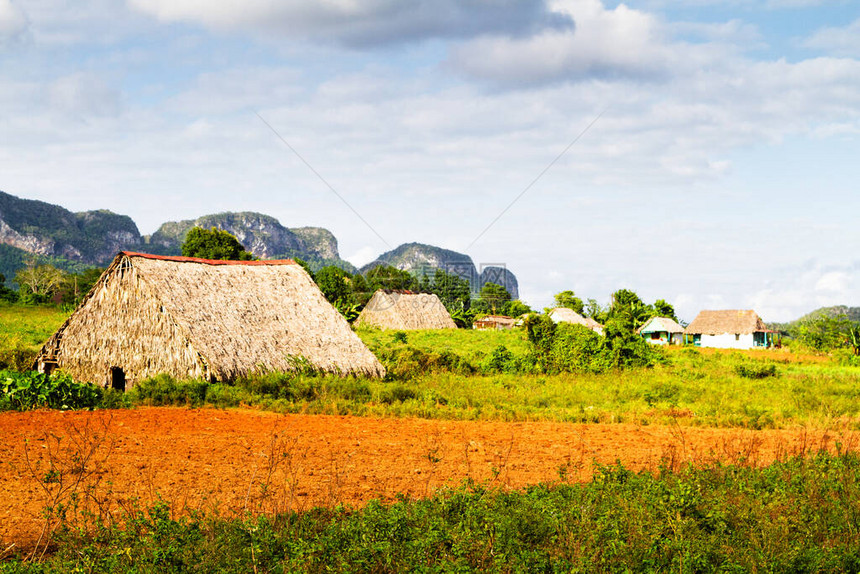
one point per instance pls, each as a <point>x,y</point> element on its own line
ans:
<point>730,329</point>
<point>662,331</point>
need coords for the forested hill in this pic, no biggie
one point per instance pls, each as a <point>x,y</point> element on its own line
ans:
<point>262,235</point>
<point>420,258</point>
<point>72,241</point>
<point>91,237</point>
<point>853,314</point>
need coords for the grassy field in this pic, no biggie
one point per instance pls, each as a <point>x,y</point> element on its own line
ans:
<point>23,330</point>
<point>446,374</point>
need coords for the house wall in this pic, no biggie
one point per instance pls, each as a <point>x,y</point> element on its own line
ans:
<point>123,326</point>
<point>728,341</point>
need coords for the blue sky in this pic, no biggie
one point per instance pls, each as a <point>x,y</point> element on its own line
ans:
<point>722,174</point>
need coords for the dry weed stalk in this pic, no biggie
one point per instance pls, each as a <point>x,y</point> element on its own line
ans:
<point>71,486</point>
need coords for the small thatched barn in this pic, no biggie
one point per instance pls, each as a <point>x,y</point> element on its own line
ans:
<point>196,318</point>
<point>662,331</point>
<point>565,315</point>
<point>404,310</point>
<point>498,322</point>
<point>729,329</point>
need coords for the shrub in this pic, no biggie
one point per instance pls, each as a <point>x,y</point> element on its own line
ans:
<point>755,370</point>
<point>409,362</point>
<point>163,390</point>
<point>501,360</point>
<point>30,390</point>
<point>397,394</point>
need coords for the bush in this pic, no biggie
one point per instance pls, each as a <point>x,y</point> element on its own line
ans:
<point>755,370</point>
<point>409,362</point>
<point>31,390</point>
<point>502,361</point>
<point>397,394</point>
<point>162,390</point>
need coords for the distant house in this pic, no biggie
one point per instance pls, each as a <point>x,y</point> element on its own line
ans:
<point>729,329</point>
<point>405,310</point>
<point>494,322</point>
<point>565,315</point>
<point>662,331</point>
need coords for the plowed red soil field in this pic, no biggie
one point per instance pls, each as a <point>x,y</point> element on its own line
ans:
<point>232,461</point>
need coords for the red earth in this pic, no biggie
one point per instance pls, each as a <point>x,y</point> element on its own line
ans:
<point>233,461</point>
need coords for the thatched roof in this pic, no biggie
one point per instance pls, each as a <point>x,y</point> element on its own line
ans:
<point>660,325</point>
<point>494,322</point>
<point>565,315</point>
<point>404,310</point>
<point>740,322</point>
<point>216,320</point>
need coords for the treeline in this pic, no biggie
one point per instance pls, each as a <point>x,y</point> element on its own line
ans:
<point>40,283</point>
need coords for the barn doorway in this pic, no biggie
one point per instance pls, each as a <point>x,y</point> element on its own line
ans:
<point>117,379</point>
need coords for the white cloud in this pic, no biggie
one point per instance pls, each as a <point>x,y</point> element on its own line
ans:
<point>620,42</point>
<point>363,256</point>
<point>364,23</point>
<point>843,41</point>
<point>800,291</point>
<point>13,23</point>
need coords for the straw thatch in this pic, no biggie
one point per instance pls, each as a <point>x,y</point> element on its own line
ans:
<point>661,325</point>
<point>739,322</point>
<point>565,315</point>
<point>195,318</point>
<point>404,310</point>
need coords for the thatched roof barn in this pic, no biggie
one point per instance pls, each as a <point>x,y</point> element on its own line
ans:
<point>197,318</point>
<point>731,328</point>
<point>662,331</point>
<point>565,315</point>
<point>404,310</point>
<point>498,322</point>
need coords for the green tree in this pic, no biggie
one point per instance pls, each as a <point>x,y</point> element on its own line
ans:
<point>75,286</point>
<point>569,300</point>
<point>38,283</point>
<point>825,333</point>
<point>628,311</point>
<point>664,309</point>
<point>334,282</point>
<point>452,290</point>
<point>515,308</point>
<point>492,298</point>
<point>214,244</point>
<point>595,311</point>
<point>6,294</point>
<point>388,277</point>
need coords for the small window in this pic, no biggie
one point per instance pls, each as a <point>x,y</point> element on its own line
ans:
<point>737,337</point>
<point>117,379</point>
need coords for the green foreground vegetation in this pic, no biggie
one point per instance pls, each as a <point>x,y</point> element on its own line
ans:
<point>798,515</point>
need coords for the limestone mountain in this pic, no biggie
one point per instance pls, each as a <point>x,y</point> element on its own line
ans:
<point>420,259</point>
<point>262,235</point>
<point>41,228</point>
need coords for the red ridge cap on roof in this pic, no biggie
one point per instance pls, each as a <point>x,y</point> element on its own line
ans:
<point>181,259</point>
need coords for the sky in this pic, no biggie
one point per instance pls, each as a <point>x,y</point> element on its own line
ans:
<point>704,152</point>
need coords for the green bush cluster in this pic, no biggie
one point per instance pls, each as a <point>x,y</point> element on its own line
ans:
<point>32,390</point>
<point>566,348</point>
<point>794,516</point>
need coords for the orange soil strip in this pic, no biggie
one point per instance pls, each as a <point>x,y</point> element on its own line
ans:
<point>230,461</point>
